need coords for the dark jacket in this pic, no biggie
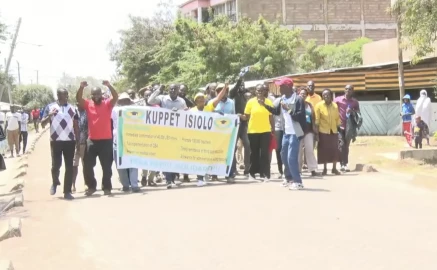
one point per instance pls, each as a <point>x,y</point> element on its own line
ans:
<point>238,97</point>
<point>297,114</point>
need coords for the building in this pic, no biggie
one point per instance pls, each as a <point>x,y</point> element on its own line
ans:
<point>327,21</point>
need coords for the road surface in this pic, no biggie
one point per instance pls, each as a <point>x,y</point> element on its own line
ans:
<point>368,221</point>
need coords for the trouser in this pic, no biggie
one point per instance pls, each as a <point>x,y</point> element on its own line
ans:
<point>344,154</point>
<point>78,157</point>
<point>151,174</point>
<point>307,149</point>
<point>14,139</point>
<point>259,153</point>
<point>128,177</point>
<point>35,124</point>
<point>242,134</point>
<point>278,136</point>
<point>406,130</point>
<point>169,177</point>
<point>290,157</point>
<point>23,138</point>
<point>63,149</point>
<point>103,150</point>
<point>418,142</point>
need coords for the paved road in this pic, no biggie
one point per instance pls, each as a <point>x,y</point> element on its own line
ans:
<point>369,221</point>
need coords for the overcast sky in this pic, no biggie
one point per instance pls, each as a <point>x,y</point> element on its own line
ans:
<point>74,36</point>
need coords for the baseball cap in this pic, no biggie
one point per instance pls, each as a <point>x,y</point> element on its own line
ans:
<point>124,95</point>
<point>284,81</point>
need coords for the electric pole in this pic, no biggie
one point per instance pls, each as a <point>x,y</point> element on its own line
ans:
<point>19,74</point>
<point>8,63</point>
<point>37,77</point>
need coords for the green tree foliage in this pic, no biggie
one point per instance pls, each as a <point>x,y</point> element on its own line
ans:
<point>197,54</point>
<point>32,95</point>
<point>72,84</point>
<point>418,20</point>
<point>331,56</point>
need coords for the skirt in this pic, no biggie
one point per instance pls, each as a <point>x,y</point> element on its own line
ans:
<point>327,148</point>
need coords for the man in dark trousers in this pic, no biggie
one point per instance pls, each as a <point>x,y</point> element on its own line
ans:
<point>99,143</point>
<point>64,134</point>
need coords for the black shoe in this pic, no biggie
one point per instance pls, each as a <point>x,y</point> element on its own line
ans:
<point>325,172</point>
<point>53,190</point>
<point>136,190</point>
<point>169,186</point>
<point>68,196</point>
<point>125,189</point>
<point>314,174</point>
<point>336,172</point>
<point>90,192</point>
<point>186,179</point>
<point>107,192</point>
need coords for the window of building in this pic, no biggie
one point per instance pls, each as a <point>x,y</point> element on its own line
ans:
<point>219,9</point>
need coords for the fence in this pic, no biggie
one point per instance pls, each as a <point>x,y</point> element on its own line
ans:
<point>381,118</point>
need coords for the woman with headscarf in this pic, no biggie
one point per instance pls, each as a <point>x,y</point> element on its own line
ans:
<point>327,123</point>
<point>424,110</point>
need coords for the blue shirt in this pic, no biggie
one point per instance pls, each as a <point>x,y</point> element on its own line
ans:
<point>407,108</point>
<point>227,107</point>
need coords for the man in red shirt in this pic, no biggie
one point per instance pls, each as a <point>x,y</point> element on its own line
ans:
<point>35,117</point>
<point>99,143</point>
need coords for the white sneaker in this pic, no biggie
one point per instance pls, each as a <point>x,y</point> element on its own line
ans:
<point>342,169</point>
<point>296,186</point>
<point>266,180</point>
<point>252,177</point>
<point>284,183</point>
<point>346,168</point>
<point>200,183</point>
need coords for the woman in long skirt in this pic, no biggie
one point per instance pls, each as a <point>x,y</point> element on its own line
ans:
<point>327,123</point>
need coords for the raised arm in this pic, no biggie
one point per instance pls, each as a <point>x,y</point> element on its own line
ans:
<point>79,95</point>
<point>215,101</point>
<point>234,91</point>
<point>154,97</point>
<point>114,94</point>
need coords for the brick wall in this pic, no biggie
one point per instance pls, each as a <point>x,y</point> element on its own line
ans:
<point>343,17</point>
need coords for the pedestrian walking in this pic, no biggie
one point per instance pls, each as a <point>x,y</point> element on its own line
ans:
<point>81,146</point>
<point>13,128</point>
<point>35,114</point>
<point>64,130</point>
<point>99,143</point>
<point>24,132</point>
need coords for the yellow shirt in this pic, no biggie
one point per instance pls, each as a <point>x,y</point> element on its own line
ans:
<point>327,117</point>
<point>259,121</point>
<point>208,108</point>
<point>314,99</point>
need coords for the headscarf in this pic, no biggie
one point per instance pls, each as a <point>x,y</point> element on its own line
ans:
<point>423,107</point>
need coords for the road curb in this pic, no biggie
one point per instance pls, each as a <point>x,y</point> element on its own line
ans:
<point>10,228</point>
<point>17,182</point>
<point>6,265</point>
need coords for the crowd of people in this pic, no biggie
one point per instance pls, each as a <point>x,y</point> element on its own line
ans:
<point>293,124</point>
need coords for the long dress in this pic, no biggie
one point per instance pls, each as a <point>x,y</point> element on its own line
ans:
<point>424,108</point>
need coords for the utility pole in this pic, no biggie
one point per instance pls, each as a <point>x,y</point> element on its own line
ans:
<point>8,63</point>
<point>37,77</point>
<point>19,74</point>
<point>397,14</point>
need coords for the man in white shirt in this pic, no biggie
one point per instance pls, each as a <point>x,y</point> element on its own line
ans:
<point>23,128</point>
<point>13,127</point>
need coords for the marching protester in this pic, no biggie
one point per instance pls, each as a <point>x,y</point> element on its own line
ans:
<point>260,128</point>
<point>183,94</point>
<point>3,148</point>
<point>132,95</point>
<point>13,129</point>
<point>312,97</point>
<point>64,130</point>
<point>293,111</point>
<point>237,93</point>
<point>279,134</point>
<point>173,102</point>
<point>310,137</point>
<point>81,146</point>
<point>328,123</point>
<point>99,143</point>
<point>35,114</point>
<point>210,91</point>
<point>406,114</point>
<point>348,106</point>
<point>24,132</point>
<point>424,110</point>
<point>200,100</point>
<point>128,177</point>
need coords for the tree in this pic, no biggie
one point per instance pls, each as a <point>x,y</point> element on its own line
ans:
<point>32,95</point>
<point>135,50</point>
<point>418,20</point>
<point>72,84</point>
<point>197,54</point>
<point>331,56</point>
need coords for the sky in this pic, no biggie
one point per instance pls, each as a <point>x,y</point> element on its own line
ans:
<point>67,36</point>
